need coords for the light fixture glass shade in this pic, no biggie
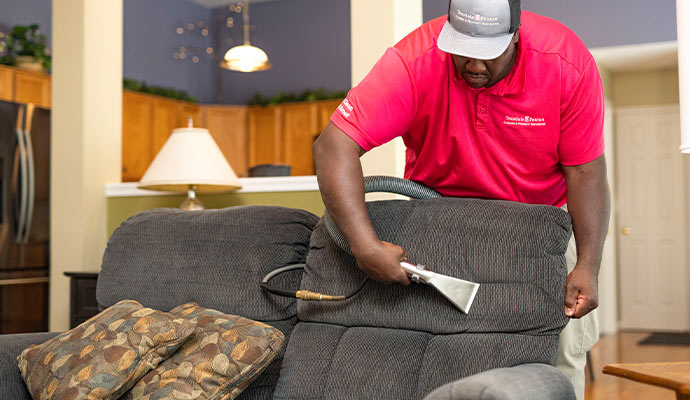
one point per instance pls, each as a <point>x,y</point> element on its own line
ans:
<point>190,157</point>
<point>246,58</point>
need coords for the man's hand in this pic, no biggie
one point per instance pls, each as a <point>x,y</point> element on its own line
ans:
<point>381,261</point>
<point>581,292</point>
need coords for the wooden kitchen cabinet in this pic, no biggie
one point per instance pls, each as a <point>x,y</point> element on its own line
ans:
<point>300,126</point>
<point>165,119</point>
<point>189,110</point>
<point>32,87</point>
<point>147,122</point>
<point>24,86</point>
<point>285,133</point>
<point>326,109</point>
<point>137,144</point>
<point>169,115</point>
<point>265,141</point>
<point>6,83</point>
<point>228,126</point>
<point>247,136</point>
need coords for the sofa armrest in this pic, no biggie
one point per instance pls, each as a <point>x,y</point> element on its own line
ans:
<point>11,382</point>
<point>523,382</point>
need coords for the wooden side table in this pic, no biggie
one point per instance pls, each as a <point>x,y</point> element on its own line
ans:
<point>671,375</point>
<point>83,304</point>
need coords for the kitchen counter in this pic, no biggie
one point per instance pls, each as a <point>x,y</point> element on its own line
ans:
<point>249,185</point>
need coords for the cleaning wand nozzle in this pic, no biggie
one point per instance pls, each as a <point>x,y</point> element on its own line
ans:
<point>459,292</point>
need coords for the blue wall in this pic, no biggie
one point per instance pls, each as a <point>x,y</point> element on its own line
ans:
<point>599,22</point>
<point>307,42</point>
<point>150,41</point>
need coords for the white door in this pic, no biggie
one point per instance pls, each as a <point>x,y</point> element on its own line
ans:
<point>651,200</point>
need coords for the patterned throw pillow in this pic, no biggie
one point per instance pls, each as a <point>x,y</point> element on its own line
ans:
<point>224,356</point>
<point>103,357</point>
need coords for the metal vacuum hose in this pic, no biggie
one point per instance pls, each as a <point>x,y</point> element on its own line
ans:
<point>377,183</point>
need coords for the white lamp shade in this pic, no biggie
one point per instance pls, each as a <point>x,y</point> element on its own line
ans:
<point>246,58</point>
<point>190,156</point>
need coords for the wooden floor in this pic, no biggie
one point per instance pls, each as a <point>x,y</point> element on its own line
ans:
<point>623,348</point>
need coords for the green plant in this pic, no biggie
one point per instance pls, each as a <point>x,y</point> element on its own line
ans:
<point>308,95</point>
<point>24,40</point>
<point>5,57</point>
<point>137,86</point>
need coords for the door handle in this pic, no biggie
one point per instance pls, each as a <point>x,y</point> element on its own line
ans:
<point>626,230</point>
<point>22,177</point>
<point>31,172</point>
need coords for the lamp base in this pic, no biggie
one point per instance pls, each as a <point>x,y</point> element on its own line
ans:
<point>192,203</point>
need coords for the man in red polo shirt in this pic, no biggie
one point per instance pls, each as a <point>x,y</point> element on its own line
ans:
<point>491,103</point>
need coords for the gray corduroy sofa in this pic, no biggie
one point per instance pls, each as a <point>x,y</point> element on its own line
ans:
<point>386,342</point>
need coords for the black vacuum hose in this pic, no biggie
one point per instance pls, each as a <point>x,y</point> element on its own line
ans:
<point>378,183</point>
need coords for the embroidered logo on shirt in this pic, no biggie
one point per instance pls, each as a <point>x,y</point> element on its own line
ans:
<point>525,120</point>
<point>345,108</point>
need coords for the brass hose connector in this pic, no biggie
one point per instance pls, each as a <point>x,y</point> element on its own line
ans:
<point>309,295</point>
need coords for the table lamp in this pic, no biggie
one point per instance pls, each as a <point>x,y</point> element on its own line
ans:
<point>190,161</point>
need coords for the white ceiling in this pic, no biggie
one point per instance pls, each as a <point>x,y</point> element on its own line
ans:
<point>638,57</point>
<point>221,3</point>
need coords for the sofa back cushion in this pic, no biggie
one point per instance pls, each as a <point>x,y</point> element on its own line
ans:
<point>216,258</point>
<point>402,342</point>
<point>514,250</point>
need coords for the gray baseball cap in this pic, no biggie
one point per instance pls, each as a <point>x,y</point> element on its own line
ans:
<point>480,29</point>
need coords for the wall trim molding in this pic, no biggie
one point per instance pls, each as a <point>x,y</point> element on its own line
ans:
<point>249,185</point>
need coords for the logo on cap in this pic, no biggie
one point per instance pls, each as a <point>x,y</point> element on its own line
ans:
<point>476,19</point>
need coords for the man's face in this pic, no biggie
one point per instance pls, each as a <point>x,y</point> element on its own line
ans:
<point>486,73</point>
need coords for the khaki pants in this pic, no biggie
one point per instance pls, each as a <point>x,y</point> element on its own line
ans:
<point>578,337</point>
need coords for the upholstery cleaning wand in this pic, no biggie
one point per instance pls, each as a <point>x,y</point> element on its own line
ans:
<point>459,292</point>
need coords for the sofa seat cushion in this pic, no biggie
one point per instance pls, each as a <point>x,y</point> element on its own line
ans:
<point>11,383</point>
<point>324,361</point>
<point>225,354</point>
<point>105,356</point>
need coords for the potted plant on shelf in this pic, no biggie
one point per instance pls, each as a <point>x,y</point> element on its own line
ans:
<point>25,47</point>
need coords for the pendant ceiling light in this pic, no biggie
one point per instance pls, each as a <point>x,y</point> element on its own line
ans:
<point>246,58</point>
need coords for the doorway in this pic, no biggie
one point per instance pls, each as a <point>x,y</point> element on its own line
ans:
<point>652,219</point>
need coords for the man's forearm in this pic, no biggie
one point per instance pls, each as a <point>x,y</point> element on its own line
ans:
<point>339,173</point>
<point>589,204</point>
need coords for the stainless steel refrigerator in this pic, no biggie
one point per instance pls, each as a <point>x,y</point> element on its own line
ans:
<point>24,217</point>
